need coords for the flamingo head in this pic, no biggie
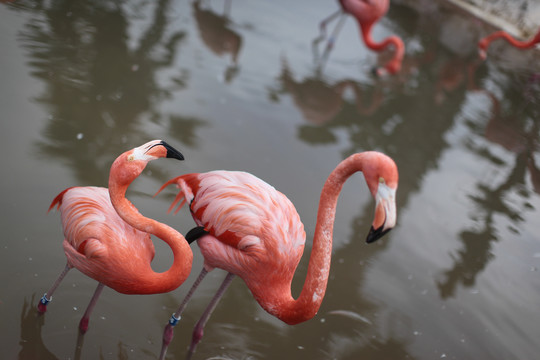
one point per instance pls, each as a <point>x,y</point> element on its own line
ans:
<point>482,48</point>
<point>381,175</point>
<point>391,68</point>
<point>130,164</point>
<point>393,65</point>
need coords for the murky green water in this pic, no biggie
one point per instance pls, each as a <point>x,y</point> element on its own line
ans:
<point>234,85</point>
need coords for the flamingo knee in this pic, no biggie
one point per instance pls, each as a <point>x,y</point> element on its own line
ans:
<point>168,334</point>
<point>42,305</point>
<point>83,325</point>
<point>198,333</point>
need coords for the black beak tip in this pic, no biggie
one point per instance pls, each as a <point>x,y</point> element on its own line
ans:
<point>195,234</point>
<point>376,234</point>
<point>172,152</point>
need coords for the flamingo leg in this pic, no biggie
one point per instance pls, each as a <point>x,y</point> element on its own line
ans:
<point>168,333</point>
<point>78,346</point>
<point>332,40</point>
<point>322,31</point>
<point>199,328</point>
<point>83,324</point>
<point>42,305</point>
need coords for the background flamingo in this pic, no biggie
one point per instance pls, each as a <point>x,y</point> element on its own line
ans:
<point>249,229</point>
<point>366,13</point>
<point>107,238</point>
<point>483,44</point>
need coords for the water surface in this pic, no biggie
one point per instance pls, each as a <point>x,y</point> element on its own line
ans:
<point>237,85</point>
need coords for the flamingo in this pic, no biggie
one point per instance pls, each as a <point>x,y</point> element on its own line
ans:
<point>483,44</point>
<point>249,229</point>
<point>367,13</point>
<point>107,238</point>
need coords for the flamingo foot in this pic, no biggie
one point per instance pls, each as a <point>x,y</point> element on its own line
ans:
<point>42,305</point>
<point>83,325</point>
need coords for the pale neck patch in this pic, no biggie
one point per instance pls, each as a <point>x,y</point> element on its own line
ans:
<point>387,196</point>
<point>139,153</point>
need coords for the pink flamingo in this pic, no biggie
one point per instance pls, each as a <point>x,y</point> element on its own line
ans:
<point>107,238</point>
<point>367,13</point>
<point>483,44</point>
<point>249,229</point>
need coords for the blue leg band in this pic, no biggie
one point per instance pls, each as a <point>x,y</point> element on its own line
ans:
<point>44,299</point>
<point>174,320</point>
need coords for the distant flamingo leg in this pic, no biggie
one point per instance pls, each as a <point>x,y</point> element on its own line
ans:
<point>42,305</point>
<point>322,31</point>
<point>83,324</point>
<point>332,40</point>
<point>199,328</point>
<point>168,333</point>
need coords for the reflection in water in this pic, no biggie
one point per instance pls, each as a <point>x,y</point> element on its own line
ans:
<point>185,129</point>
<point>320,102</point>
<point>97,87</point>
<point>519,135</point>
<point>122,353</point>
<point>451,76</point>
<point>476,252</point>
<point>102,64</point>
<point>354,338</point>
<point>32,347</point>
<point>218,36</point>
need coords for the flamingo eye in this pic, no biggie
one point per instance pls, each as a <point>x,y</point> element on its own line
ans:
<point>131,157</point>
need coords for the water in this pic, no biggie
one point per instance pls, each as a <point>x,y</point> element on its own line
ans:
<point>457,278</point>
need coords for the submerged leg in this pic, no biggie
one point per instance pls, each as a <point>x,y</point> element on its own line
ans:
<point>168,333</point>
<point>47,297</point>
<point>199,328</point>
<point>83,324</point>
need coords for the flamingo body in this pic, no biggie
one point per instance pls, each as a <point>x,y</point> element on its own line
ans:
<point>367,13</point>
<point>103,246</point>
<point>252,230</point>
<point>106,238</point>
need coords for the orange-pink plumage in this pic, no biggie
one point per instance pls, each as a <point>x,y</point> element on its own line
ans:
<point>251,230</point>
<point>484,43</point>
<point>106,238</point>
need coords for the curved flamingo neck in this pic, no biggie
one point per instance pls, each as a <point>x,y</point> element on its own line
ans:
<point>152,282</point>
<point>484,43</point>
<point>278,300</point>
<point>399,48</point>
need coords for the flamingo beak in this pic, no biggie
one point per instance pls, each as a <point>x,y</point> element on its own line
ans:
<point>172,152</point>
<point>150,154</point>
<point>385,213</point>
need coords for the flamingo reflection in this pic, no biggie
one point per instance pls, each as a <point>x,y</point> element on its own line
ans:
<point>320,102</point>
<point>218,35</point>
<point>520,138</point>
<point>32,346</point>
